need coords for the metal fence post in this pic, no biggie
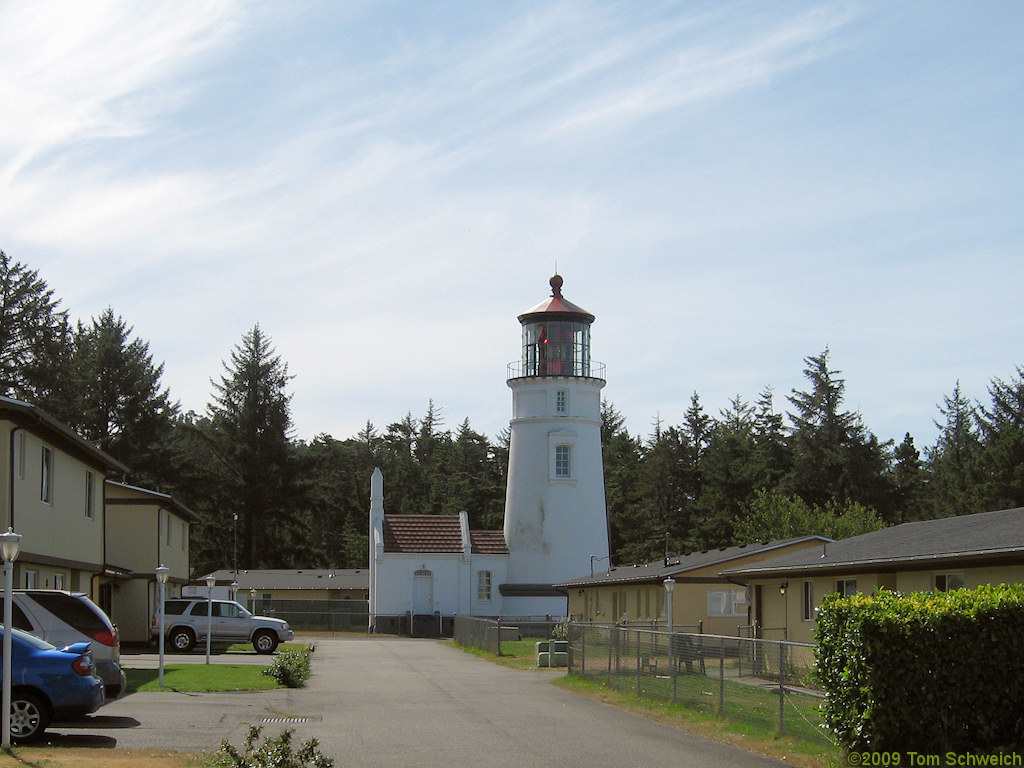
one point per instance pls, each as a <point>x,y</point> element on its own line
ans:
<point>782,690</point>
<point>721,676</point>
<point>638,668</point>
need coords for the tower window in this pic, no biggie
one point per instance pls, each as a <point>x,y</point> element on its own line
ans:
<point>562,402</point>
<point>563,461</point>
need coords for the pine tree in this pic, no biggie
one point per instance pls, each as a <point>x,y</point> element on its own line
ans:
<point>1002,455</point>
<point>116,399</point>
<point>35,337</point>
<point>835,457</point>
<point>953,463</point>
<point>248,431</point>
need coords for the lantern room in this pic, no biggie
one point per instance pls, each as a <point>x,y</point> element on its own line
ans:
<point>556,338</point>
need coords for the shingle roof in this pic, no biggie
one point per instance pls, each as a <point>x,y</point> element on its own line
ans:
<point>679,565</point>
<point>488,542</point>
<point>437,534</point>
<point>986,536</point>
<point>422,533</point>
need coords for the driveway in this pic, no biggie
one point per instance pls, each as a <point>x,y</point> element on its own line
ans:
<point>390,702</point>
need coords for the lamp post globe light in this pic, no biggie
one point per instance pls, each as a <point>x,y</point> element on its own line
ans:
<point>211,580</point>
<point>162,572</point>
<point>10,543</point>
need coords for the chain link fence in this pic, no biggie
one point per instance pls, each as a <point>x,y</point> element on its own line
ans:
<point>317,615</point>
<point>767,683</point>
<point>488,634</point>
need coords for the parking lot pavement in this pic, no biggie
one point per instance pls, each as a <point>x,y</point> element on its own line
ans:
<point>385,703</point>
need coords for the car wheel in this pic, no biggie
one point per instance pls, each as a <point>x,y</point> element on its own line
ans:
<point>183,639</point>
<point>264,642</point>
<point>29,716</point>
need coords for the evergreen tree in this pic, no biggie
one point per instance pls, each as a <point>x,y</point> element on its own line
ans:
<point>909,484</point>
<point>116,399</point>
<point>620,458</point>
<point>248,433</point>
<point>834,455</point>
<point>35,337</point>
<point>1002,455</point>
<point>952,463</point>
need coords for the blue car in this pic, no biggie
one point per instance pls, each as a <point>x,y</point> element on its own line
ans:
<point>49,684</point>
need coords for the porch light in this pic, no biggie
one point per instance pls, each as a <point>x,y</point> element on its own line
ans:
<point>783,587</point>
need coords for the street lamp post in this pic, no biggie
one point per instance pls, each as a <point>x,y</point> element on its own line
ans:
<point>252,600</point>
<point>11,544</point>
<point>210,581</point>
<point>162,572</point>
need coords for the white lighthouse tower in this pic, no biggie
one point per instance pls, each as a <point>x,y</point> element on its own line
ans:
<point>555,515</point>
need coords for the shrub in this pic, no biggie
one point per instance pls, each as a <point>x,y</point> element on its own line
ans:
<point>929,671</point>
<point>290,668</point>
<point>272,753</point>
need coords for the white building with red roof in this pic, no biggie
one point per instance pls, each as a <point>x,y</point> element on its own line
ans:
<point>429,568</point>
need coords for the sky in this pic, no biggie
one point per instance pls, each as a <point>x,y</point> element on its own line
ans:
<point>729,187</point>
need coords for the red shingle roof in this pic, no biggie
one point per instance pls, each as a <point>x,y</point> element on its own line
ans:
<point>488,543</point>
<point>437,534</point>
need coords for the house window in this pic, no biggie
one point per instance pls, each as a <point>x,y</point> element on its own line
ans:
<point>846,587</point>
<point>562,402</point>
<point>90,492</point>
<point>19,455</point>
<point>563,461</point>
<point>31,579</point>
<point>46,478</point>
<point>58,581</point>
<point>807,608</point>
<point>727,602</point>
<point>945,582</point>
<point>483,585</point>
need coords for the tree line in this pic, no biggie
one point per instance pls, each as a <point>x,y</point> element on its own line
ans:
<point>751,472</point>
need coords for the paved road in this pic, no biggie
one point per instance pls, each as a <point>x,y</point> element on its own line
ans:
<point>389,702</point>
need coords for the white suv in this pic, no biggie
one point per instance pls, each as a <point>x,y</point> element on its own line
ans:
<point>62,618</point>
<point>185,622</point>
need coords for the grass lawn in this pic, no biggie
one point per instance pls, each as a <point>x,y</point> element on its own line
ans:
<point>751,712</point>
<point>199,678</point>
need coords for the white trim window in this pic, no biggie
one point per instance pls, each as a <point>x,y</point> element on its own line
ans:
<point>563,462</point>
<point>90,494</point>
<point>727,602</point>
<point>846,587</point>
<point>946,582</point>
<point>46,476</point>
<point>562,402</point>
<point>807,603</point>
<point>483,586</point>
<point>31,579</point>
<point>19,455</point>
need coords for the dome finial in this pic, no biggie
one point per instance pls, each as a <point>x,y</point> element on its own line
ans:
<point>556,286</point>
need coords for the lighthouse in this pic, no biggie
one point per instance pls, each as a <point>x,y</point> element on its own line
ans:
<point>555,515</point>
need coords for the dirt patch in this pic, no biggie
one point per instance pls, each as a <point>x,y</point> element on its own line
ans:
<point>54,757</point>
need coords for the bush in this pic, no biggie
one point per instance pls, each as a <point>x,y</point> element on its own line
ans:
<point>930,671</point>
<point>272,753</point>
<point>291,668</point>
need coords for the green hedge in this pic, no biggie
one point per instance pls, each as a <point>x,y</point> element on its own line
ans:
<point>928,671</point>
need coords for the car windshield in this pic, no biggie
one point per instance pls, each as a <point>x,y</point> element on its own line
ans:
<point>42,645</point>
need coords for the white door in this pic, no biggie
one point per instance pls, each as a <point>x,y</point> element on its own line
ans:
<point>423,592</point>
